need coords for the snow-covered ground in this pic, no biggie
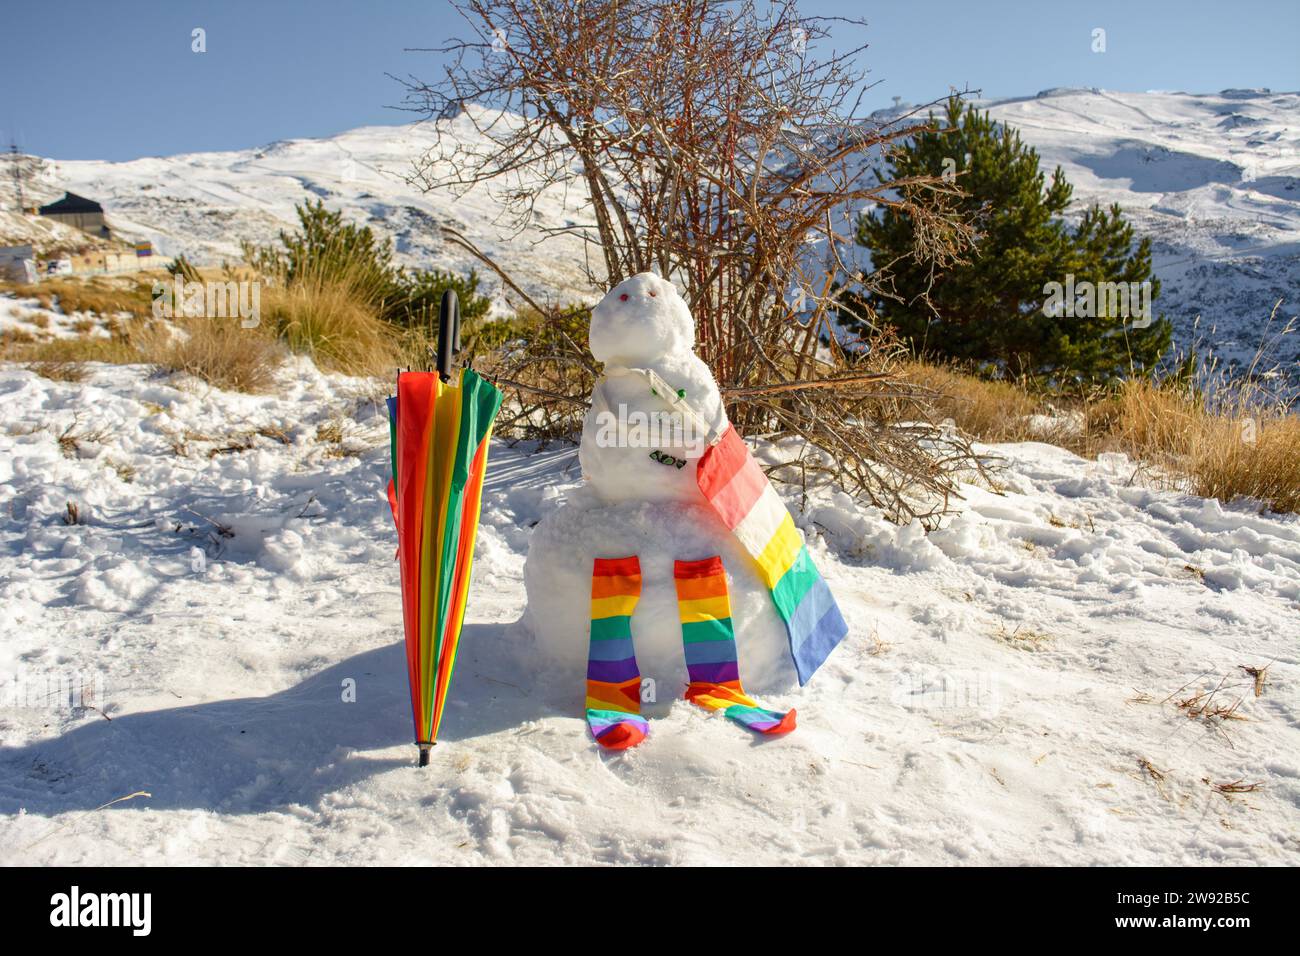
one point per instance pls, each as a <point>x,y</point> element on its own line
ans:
<point>1014,689</point>
<point>29,320</point>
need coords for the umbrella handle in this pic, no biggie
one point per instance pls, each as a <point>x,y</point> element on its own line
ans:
<point>448,332</point>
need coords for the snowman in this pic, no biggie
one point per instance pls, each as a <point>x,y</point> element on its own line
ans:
<point>634,579</point>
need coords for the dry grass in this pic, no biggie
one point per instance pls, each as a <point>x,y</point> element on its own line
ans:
<point>1156,775</point>
<point>273,432</point>
<point>1259,675</point>
<point>183,444</point>
<point>99,295</point>
<point>1230,441</point>
<point>70,438</point>
<point>330,432</point>
<point>1142,416</point>
<point>1021,637</point>
<point>1222,465</point>
<point>60,370</point>
<point>1233,447</point>
<point>220,352</point>
<point>878,646</point>
<point>122,349</point>
<point>1203,707</point>
<point>329,323</point>
<point>984,409</point>
<point>326,321</point>
<point>13,338</point>
<point>1213,707</point>
<point>417,349</point>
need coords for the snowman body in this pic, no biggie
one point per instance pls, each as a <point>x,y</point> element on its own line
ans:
<point>639,455</point>
<point>638,445</point>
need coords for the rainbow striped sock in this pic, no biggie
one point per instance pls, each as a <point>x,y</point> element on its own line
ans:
<point>710,644</point>
<point>613,680</point>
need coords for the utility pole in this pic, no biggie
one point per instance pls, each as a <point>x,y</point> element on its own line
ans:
<point>20,169</point>
<point>15,164</point>
<point>17,173</point>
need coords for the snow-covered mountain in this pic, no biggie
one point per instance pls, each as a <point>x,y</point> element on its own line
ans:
<point>1214,179</point>
<point>203,205</point>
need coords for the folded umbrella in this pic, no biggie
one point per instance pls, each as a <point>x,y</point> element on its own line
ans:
<point>439,436</point>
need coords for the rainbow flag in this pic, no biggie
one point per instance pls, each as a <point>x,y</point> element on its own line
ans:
<point>438,436</point>
<point>736,487</point>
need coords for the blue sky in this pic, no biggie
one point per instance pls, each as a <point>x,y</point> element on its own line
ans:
<point>117,80</point>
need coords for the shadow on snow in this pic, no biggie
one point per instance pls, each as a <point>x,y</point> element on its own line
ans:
<point>254,754</point>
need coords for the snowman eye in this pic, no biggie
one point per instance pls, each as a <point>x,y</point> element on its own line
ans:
<point>623,297</point>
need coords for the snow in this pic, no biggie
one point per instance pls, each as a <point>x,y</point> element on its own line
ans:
<point>1009,691</point>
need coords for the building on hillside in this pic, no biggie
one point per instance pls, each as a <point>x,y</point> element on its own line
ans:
<point>110,260</point>
<point>79,212</point>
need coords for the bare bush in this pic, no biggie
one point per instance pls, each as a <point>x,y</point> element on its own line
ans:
<point>708,142</point>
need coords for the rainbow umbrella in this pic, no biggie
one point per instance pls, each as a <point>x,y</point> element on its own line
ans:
<point>439,433</point>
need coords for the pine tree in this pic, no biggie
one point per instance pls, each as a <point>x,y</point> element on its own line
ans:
<point>998,309</point>
<point>328,249</point>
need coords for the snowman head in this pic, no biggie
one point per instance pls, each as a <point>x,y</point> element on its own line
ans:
<point>640,320</point>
